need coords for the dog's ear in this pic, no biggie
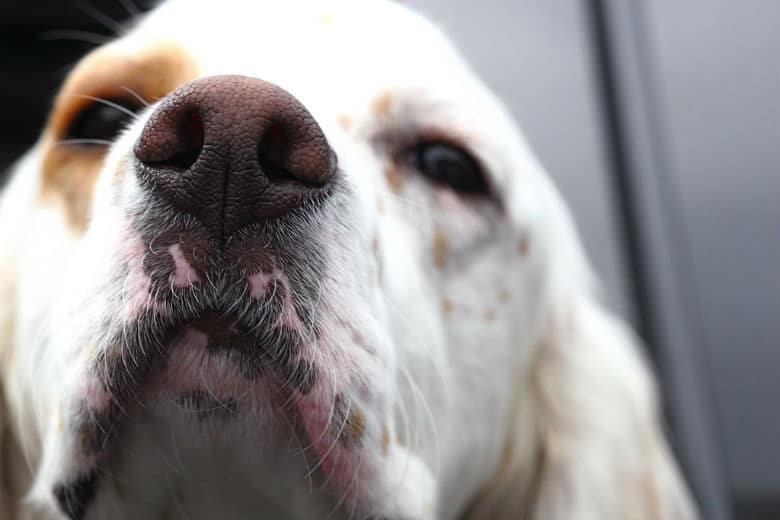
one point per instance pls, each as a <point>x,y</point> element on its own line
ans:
<point>587,440</point>
<point>14,472</point>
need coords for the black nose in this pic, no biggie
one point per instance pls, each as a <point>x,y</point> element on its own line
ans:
<point>231,150</point>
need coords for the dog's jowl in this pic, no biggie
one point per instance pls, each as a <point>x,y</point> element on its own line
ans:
<point>293,260</point>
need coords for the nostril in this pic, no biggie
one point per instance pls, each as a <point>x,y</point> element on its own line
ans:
<point>189,144</point>
<point>172,139</point>
<point>273,154</point>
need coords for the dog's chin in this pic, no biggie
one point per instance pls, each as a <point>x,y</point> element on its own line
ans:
<point>239,376</point>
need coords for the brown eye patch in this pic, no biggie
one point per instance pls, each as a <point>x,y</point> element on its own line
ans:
<point>102,121</point>
<point>97,101</point>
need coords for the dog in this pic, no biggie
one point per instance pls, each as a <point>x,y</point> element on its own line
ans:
<point>294,260</point>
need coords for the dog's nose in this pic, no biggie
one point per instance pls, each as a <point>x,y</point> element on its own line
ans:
<point>231,150</point>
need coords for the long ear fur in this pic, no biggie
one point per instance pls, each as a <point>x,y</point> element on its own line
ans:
<point>603,454</point>
<point>587,441</point>
<point>14,471</point>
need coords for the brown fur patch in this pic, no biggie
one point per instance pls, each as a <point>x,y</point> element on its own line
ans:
<point>394,178</point>
<point>385,440</point>
<point>523,244</point>
<point>69,172</point>
<point>356,425</point>
<point>503,296</point>
<point>441,249</point>
<point>490,314</point>
<point>382,104</point>
<point>447,307</point>
<point>345,122</point>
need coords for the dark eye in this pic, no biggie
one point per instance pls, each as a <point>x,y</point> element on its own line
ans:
<point>101,120</point>
<point>450,165</point>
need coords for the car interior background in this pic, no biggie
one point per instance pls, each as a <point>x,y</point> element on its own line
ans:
<point>660,121</point>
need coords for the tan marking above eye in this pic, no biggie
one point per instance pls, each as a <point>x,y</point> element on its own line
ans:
<point>69,172</point>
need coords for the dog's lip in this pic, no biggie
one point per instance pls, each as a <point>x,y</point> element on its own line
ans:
<point>213,324</point>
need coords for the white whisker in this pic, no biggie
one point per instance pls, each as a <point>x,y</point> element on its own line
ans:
<point>135,94</point>
<point>66,142</point>
<point>100,17</point>
<point>108,103</point>
<point>130,7</point>
<point>74,35</point>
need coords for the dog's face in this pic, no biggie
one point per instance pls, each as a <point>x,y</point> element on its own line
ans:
<point>288,257</point>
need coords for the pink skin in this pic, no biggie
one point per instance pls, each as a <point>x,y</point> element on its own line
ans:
<point>137,284</point>
<point>96,395</point>
<point>137,287</point>
<point>341,464</point>
<point>258,285</point>
<point>191,367</point>
<point>184,275</point>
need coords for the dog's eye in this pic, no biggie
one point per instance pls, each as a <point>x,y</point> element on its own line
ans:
<point>101,121</point>
<point>449,165</point>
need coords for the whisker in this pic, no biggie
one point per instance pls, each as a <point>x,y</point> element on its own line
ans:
<point>335,441</point>
<point>108,103</point>
<point>74,35</point>
<point>84,141</point>
<point>99,16</point>
<point>130,7</point>
<point>135,94</point>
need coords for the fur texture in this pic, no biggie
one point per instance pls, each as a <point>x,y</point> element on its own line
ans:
<point>445,356</point>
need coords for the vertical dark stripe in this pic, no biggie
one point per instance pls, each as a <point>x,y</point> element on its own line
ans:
<point>628,221</point>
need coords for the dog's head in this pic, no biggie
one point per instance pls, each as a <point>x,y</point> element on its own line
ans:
<point>280,256</point>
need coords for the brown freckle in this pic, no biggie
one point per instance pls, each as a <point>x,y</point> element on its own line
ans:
<point>356,425</point>
<point>523,245</point>
<point>441,249</point>
<point>447,307</point>
<point>503,296</point>
<point>394,178</point>
<point>382,104</point>
<point>345,122</point>
<point>385,439</point>
<point>375,245</point>
<point>490,314</point>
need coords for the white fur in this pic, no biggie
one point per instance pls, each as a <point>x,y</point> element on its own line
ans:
<point>523,397</point>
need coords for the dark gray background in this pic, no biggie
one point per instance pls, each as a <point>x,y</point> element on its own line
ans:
<point>660,120</point>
